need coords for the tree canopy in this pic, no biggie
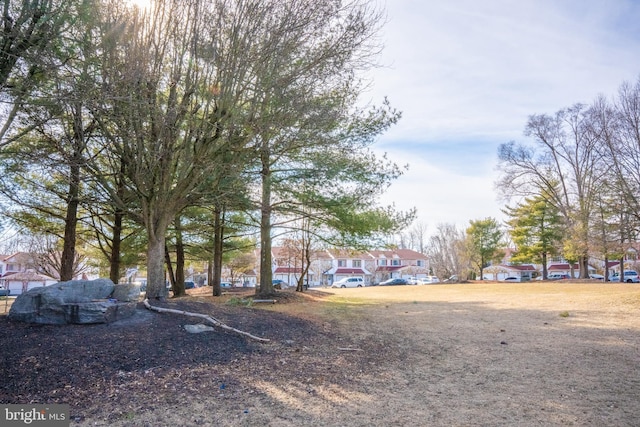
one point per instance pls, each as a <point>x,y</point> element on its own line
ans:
<point>244,105</point>
<point>484,238</point>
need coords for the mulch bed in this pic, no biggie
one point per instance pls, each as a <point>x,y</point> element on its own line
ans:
<point>150,359</point>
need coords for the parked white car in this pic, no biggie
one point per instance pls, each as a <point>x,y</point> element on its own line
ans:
<point>349,282</point>
<point>630,276</point>
<point>558,276</point>
<point>429,280</point>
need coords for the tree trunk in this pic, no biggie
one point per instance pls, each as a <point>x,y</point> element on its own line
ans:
<point>545,272</point>
<point>114,258</point>
<point>621,276</point>
<point>156,287</point>
<point>169,264</point>
<point>584,267</point>
<point>306,261</point>
<point>218,235</point>
<point>178,286</point>
<point>116,240</point>
<point>210,274</point>
<point>68,258</point>
<point>265,289</point>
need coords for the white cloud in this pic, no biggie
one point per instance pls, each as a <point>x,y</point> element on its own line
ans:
<point>466,75</point>
<point>441,193</point>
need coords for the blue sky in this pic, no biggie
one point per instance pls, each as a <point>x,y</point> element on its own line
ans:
<point>466,75</point>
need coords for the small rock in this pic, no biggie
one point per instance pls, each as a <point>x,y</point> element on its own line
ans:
<point>196,329</point>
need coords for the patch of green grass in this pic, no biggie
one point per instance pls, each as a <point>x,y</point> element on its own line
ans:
<point>235,301</point>
<point>564,314</point>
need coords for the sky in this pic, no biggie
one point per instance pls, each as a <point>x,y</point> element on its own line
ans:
<point>467,74</point>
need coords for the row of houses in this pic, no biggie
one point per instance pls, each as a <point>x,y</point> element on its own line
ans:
<point>327,266</point>
<point>330,265</point>
<point>17,271</point>
<point>526,272</point>
<point>375,266</point>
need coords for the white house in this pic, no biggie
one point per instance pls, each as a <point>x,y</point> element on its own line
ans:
<point>398,263</point>
<point>17,274</point>
<point>499,272</point>
<point>346,263</point>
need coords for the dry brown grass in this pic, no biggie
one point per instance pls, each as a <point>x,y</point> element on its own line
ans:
<point>476,354</point>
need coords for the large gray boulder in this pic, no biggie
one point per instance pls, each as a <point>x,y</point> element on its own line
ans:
<point>126,292</point>
<point>76,301</point>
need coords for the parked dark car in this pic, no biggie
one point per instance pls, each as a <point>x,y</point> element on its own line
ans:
<point>393,282</point>
<point>189,285</point>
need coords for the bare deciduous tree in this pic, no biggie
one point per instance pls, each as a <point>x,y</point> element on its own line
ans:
<point>562,163</point>
<point>446,253</point>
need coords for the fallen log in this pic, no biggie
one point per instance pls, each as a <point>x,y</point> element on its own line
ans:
<point>206,317</point>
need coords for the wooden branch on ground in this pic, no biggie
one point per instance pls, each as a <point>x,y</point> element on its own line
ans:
<point>206,317</point>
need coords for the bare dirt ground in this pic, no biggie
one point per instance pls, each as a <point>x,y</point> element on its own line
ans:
<point>478,354</point>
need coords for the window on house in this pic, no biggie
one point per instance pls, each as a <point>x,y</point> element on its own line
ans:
<point>382,262</point>
<point>395,262</point>
<point>357,263</point>
<point>342,263</point>
<point>420,263</point>
<point>11,267</point>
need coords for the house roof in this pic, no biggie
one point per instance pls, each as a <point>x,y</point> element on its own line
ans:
<point>20,257</point>
<point>345,253</point>
<point>344,270</point>
<point>26,276</point>
<point>562,267</point>
<point>565,266</point>
<point>391,268</point>
<point>526,267</point>
<point>613,264</point>
<point>407,254</point>
<point>286,270</point>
